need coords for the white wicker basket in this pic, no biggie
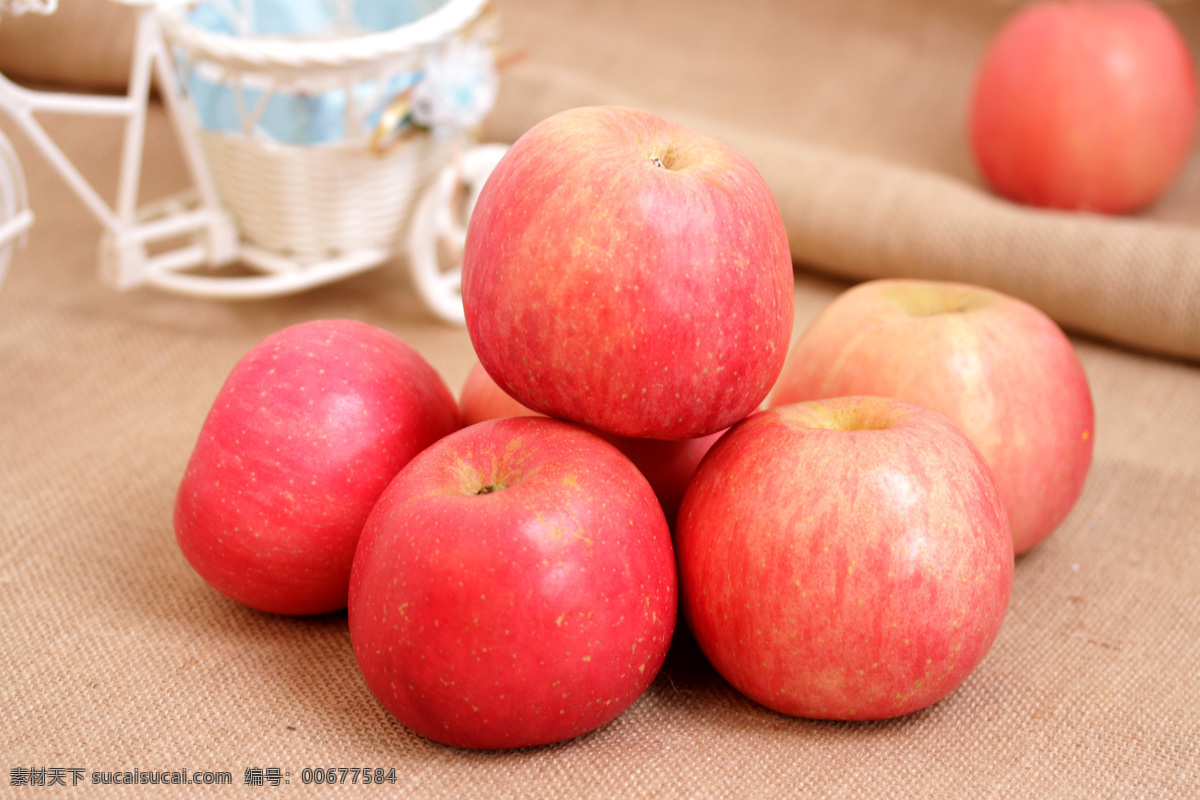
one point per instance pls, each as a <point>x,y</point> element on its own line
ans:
<point>312,202</point>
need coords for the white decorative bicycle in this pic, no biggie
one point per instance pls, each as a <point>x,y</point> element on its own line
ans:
<point>320,144</point>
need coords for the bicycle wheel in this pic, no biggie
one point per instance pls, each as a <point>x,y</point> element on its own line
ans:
<point>438,230</point>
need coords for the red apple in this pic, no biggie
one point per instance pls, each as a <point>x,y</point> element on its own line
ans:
<point>1085,105</point>
<point>667,464</point>
<point>304,435</point>
<point>844,559</point>
<point>514,586</point>
<point>481,399</point>
<point>996,366</point>
<point>630,275</point>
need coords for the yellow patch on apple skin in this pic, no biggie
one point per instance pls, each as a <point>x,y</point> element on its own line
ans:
<point>1086,435</point>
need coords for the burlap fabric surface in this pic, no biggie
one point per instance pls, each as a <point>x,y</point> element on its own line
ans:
<point>115,656</point>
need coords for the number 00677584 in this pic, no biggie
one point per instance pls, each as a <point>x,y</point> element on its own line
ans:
<point>334,775</point>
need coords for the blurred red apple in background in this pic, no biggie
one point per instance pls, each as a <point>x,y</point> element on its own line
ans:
<point>309,427</point>
<point>514,586</point>
<point>844,559</point>
<point>482,399</point>
<point>1085,105</point>
<point>996,366</point>
<point>667,464</point>
<point>630,275</point>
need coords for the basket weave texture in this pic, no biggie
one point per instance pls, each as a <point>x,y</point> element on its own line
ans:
<point>311,203</point>
<point>314,201</point>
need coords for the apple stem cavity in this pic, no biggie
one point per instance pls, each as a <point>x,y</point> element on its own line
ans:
<point>925,302</point>
<point>656,161</point>
<point>488,489</point>
<point>839,414</point>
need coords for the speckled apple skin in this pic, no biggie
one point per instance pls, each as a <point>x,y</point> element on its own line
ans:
<point>844,559</point>
<point>307,430</point>
<point>527,615</point>
<point>630,275</point>
<point>998,367</point>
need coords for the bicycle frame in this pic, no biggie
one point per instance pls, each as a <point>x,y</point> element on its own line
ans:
<point>130,231</point>
<point>162,244</point>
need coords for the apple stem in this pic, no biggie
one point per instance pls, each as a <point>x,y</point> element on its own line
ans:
<point>488,489</point>
<point>656,161</point>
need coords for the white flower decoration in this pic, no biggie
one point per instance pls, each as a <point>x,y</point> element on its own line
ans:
<point>457,90</point>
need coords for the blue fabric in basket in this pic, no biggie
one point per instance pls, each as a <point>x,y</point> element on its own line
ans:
<point>289,117</point>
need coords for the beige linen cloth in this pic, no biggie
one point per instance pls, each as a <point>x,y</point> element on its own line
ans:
<point>114,655</point>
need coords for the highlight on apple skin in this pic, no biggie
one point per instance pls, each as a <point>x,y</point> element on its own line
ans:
<point>630,275</point>
<point>996,366</point>
<point>844,559</point>
<point>514,586</point>
<point>309,427</point>
<point>1085,106</point>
